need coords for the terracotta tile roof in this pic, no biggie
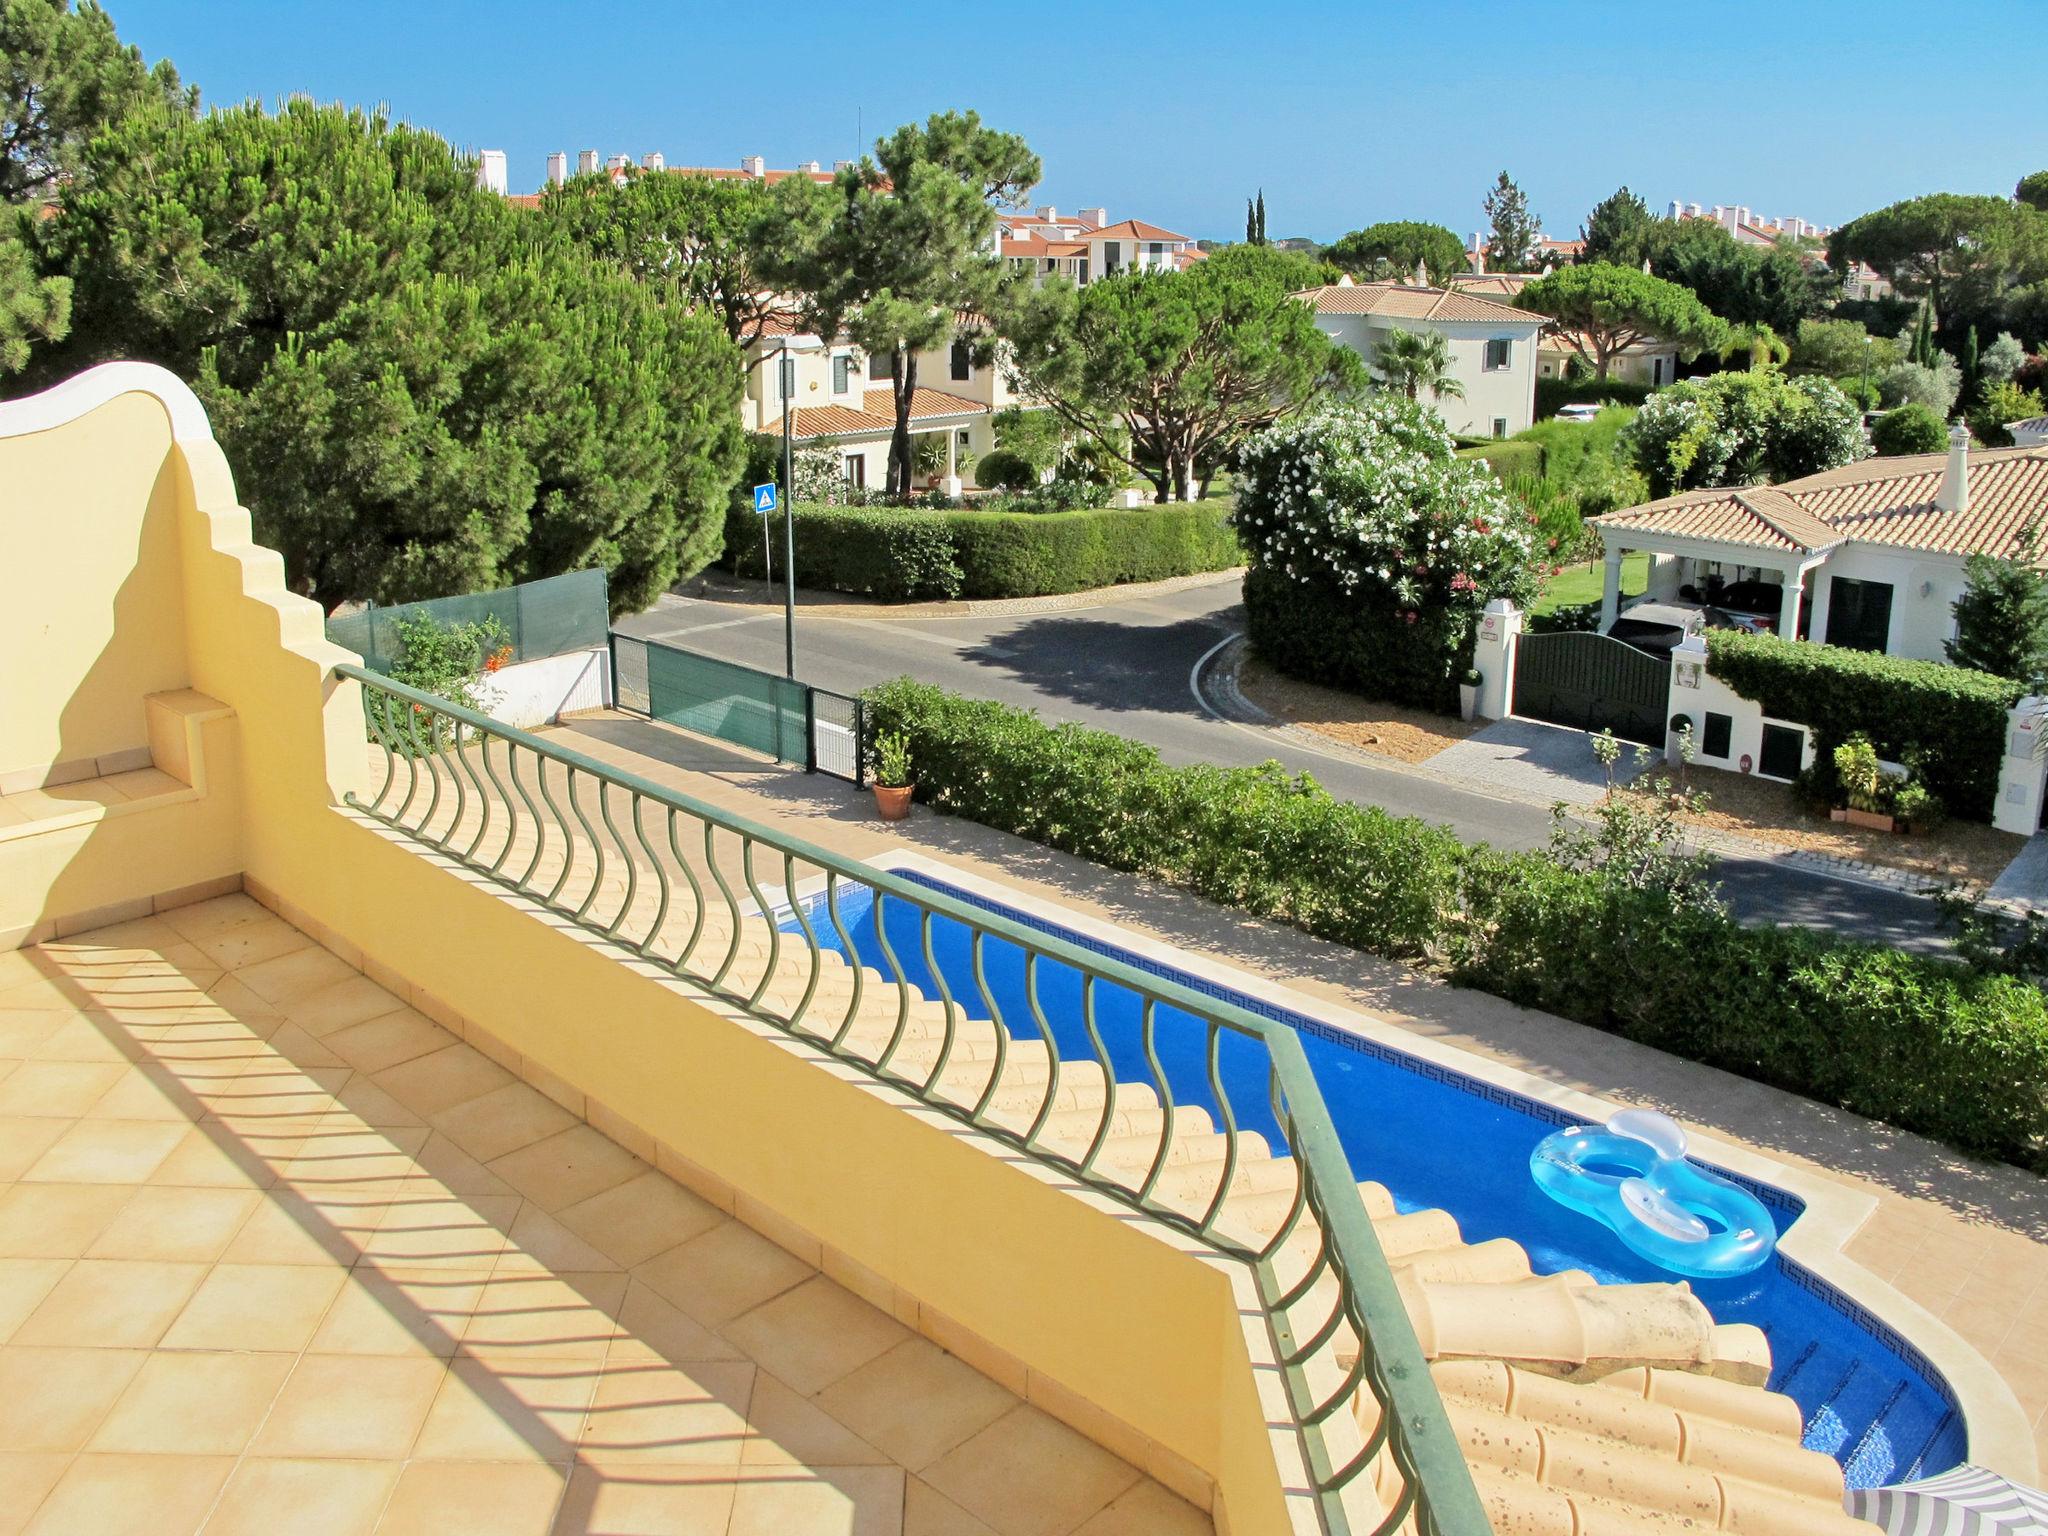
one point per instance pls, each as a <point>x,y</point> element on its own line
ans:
<point>1133,229</point>
<point>877,413</point>
<point>1405,301</point>
<point>1501,285</point>
<point>735,173</point>
<point>1888,501</point>
<point>1038,245</point>
<point>2031,424</point>
<point>523,199</point>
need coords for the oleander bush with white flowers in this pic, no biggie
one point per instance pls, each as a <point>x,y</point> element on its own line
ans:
<point>1373,550</point>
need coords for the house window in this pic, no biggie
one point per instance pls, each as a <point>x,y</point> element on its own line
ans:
<point>842,373</point>
<point>1500,426</point>
<point>1784,752</point>
<point>1714,741</point>
<point>1157,249</point>
<point>881,365</point>
<point>1499,352</point>
<point>1112,252</point>
<point>787,378</point>
<point>1656,372</point>
<point>856,469</point>
<point>963,363</point>
<point>1859,613</point>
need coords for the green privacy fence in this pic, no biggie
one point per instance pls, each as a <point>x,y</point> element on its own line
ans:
<point>543,618</point>
<point>778,717</point>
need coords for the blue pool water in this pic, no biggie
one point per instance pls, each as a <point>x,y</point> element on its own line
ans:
<point>1435,1137</point>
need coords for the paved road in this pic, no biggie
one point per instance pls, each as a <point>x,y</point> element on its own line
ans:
<point>1126,667</point>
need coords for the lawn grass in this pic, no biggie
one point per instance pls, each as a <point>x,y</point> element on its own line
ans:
<point>1582,583</point>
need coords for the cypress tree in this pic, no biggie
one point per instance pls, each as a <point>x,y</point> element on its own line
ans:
<point>1251,224</point>
<point>1970,363</point>
<point>1262,216</point>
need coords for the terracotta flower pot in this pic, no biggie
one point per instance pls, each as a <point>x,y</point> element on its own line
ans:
<point>892,801</point>
<point>1877,821</point>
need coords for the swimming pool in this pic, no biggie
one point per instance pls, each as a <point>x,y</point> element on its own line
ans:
<point>1870,1399</point>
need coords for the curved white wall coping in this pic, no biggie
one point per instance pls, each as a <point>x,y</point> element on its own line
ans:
<point>87,392</point>
<point>1999,1433</point>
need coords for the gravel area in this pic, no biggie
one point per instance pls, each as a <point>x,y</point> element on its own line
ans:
<point>1387,730</point>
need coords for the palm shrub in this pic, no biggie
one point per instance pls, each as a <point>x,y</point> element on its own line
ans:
<point>1415,361</point>
<point>1373,549</point>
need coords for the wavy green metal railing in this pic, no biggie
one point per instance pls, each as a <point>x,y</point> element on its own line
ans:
<point>427,740</point>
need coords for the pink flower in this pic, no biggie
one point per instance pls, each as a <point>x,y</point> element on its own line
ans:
<point>1410,615</point>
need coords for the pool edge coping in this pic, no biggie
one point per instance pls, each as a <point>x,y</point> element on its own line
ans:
<point>1997,1432</point>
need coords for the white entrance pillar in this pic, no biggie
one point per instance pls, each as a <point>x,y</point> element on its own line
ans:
<point>951,484</point>
<point>1493,658</point>
<point>1610,591</point>
<point>2018,808</point>
<point>1788,605</point>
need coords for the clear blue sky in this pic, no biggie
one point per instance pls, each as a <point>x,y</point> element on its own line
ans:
<point>1344,113</point>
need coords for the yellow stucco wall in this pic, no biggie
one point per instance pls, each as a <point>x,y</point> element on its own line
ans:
<point>1085,1297</point>
<point>94,616</point>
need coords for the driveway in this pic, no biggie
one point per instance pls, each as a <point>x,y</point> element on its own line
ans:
<point>1527,759</point>
<point>1127,664</point>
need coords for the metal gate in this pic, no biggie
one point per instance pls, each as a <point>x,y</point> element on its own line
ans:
<point>778,717</point>
<point>1593,683</point>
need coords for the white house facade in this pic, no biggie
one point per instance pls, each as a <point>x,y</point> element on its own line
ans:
<point>1870,556</point>
<point>1492,345</point>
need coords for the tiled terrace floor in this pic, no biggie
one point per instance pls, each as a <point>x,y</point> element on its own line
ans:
<point>278,1254</point>
<point>1965,1239</point>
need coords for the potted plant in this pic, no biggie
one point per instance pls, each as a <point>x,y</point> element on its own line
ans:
<point>1866,787</point>
<point>892,776</point>
<point>1468,693</point>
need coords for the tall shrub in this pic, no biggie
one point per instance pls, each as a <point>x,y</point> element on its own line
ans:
<point>1373,549</point>
<point>1743,428</point>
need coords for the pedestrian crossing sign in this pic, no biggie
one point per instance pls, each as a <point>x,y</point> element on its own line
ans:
<point>764,498</point>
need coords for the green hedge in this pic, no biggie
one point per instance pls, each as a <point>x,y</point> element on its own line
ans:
<point>911,553</point>
<point>1926,1044</point>
<point>1950,720</point>
<point>1356,642</point>
<point>1553,395</point>
<point>1507,456</point>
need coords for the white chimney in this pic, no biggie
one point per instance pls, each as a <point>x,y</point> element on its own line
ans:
<point>1421,274</point>
<point>1954,495</point>
<point>558,168</point>
<point>619,163</point>
<point>842,165</point>
<point>586,162</point>
<point>1677,208</point>
<point>1049,214</point>
<point>490,170</point>
<point>1692,210</point>
<point>755,166</point>
<point>809,165</point>
<point>653,162</point>
<point>1094,218</point>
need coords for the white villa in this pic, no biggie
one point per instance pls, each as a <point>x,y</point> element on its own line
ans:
<point>1868,556</point>
<point>1085,246</point>
<point>1650,361</point>
<point>1493,345</point>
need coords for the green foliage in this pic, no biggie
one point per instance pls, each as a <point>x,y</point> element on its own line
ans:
<point>2002,616</point>
<point>419,396</point>
<point>1601,310</point>
<point>1947,722</point>
<point>448,659</point>
<point>1937,1048</point>
<point>1934,387</point>
<point>1584,459</point>
<point>1618,230</point>
<point>1373,549</point>
<point>2033,190</point>
<point>892,760</point>
<point>1006,471</point>
<point>1514,230</point>
<point>1911,428</point>
<point>33,308</point>
<point>1839,349</point>
<point>1415,361</point>
<point>901,245</point>
<point>915,554</point>
<point>1553,395</point>
<point>2002,402</point>
<point>1392,250</point>
<point>1864,784</point>
<point>1507,457</point>
<point>2003,359</point>
<point>65,77</point>
<point>1174,370</point>
<point>1744,284</point>
<point>1033,436</point>
<point>1741,429</point>
<point>1960,252</point>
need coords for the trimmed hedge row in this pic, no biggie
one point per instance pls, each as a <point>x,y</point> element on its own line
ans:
<point>1950,720</point>
<point>1507,456</point>
<point>1355,643</point>
<point>910,553</point>
<point>1926,1044</point>
<point>1553,395</point>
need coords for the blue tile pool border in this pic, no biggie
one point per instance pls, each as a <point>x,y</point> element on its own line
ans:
<point>1779,1199</point>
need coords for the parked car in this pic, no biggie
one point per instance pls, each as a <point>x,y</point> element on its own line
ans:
<point>1656,628</point>
<point>1585,411</point>
<point>1754,606</point>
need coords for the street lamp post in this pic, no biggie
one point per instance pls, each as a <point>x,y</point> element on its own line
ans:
<point>785,379</point>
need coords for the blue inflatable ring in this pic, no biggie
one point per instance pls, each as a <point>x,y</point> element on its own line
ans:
<point>1632,1176</point>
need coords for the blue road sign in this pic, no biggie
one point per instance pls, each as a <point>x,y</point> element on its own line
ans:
<point>764,498</point>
